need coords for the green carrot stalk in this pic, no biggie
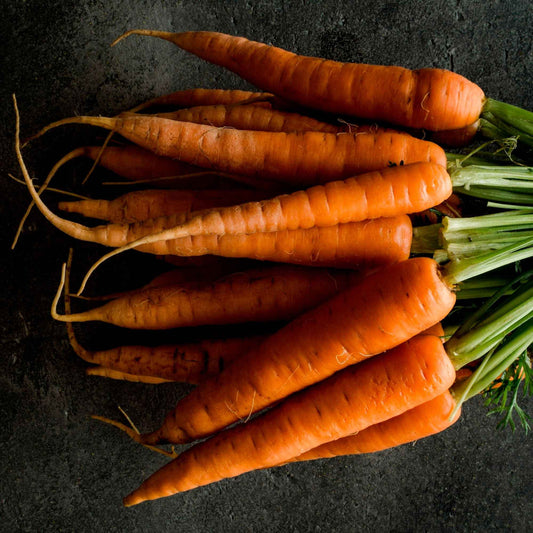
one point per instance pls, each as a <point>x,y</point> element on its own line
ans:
<point>499,117</point>
<point>504,183</point>
<point>499,333</point>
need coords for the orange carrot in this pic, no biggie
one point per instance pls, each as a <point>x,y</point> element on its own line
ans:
<point>186,275</point>
<point>352,400</point>
<point>432,99</point>
<point>186,363</point>
<point>387,193</point>
<point>125,376</point>
<point>422,421</point>
<point>368,244</point>
<point>269,294</point>
<point>381,311</point>
<point>295,158</point>
<point>201,97</point>
<point>153,203</point>
<point>456,138</point>
<point>133,162</point>
<point>250,117</point>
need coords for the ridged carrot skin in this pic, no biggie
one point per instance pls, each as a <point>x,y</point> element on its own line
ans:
<point>271,294</point>
<point>356,398</point>
<point>433,99</point>
<point>369,243</point>
<point>420,422</point>
<point>294,158</point>
<point>380,312</point>
<point>251,117</point>
<point>136,206</point>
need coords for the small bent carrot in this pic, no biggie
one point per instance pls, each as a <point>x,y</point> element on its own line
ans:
<point>422,421</point>
<point>375,314</point>
<point>271,294</point>
<point>251,117</point>
<point>432,99</point>
<point>136,206</point>
<point>356,398</point>
<point>293,158</point>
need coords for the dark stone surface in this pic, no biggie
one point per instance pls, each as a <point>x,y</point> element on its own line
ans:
<point>62,471</point>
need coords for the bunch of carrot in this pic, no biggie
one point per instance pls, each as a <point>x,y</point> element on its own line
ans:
<point>355,361</point>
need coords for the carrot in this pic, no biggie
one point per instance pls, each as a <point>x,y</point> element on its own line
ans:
<point>250,117</point>
<point>294,158</point>
<point>201,97</point>
<point>118,375</point>
<point>141,205</point>
<point>381,311</point>
<point>368,244</point>
<point>133,162</point>
<point>186,362</point>
<point>354,399</point>
<point>390,192</point>
<point>188,275</point>
<point>422,421</point>
<point>432,99</point>
<point>270,294</point>
<point>456,138</point>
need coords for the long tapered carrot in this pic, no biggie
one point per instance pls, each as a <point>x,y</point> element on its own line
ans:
<point>368,244</point>
<point>270,294</point>
<point>420,422</point>
<point>251,117</point>
<point>381,311</point>
<point>136,206</point>
<point>352,400</point>
<point>433,99</point>
<point>294,158</point>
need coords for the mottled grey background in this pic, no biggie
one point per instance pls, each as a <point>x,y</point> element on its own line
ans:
<point>62,471</point>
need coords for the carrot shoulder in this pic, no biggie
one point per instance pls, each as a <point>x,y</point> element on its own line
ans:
<point>352,400</point>
<point>383,310</point>
<point>433,99</point>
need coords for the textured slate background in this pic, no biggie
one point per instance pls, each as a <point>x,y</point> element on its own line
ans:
<point>61,471</point>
